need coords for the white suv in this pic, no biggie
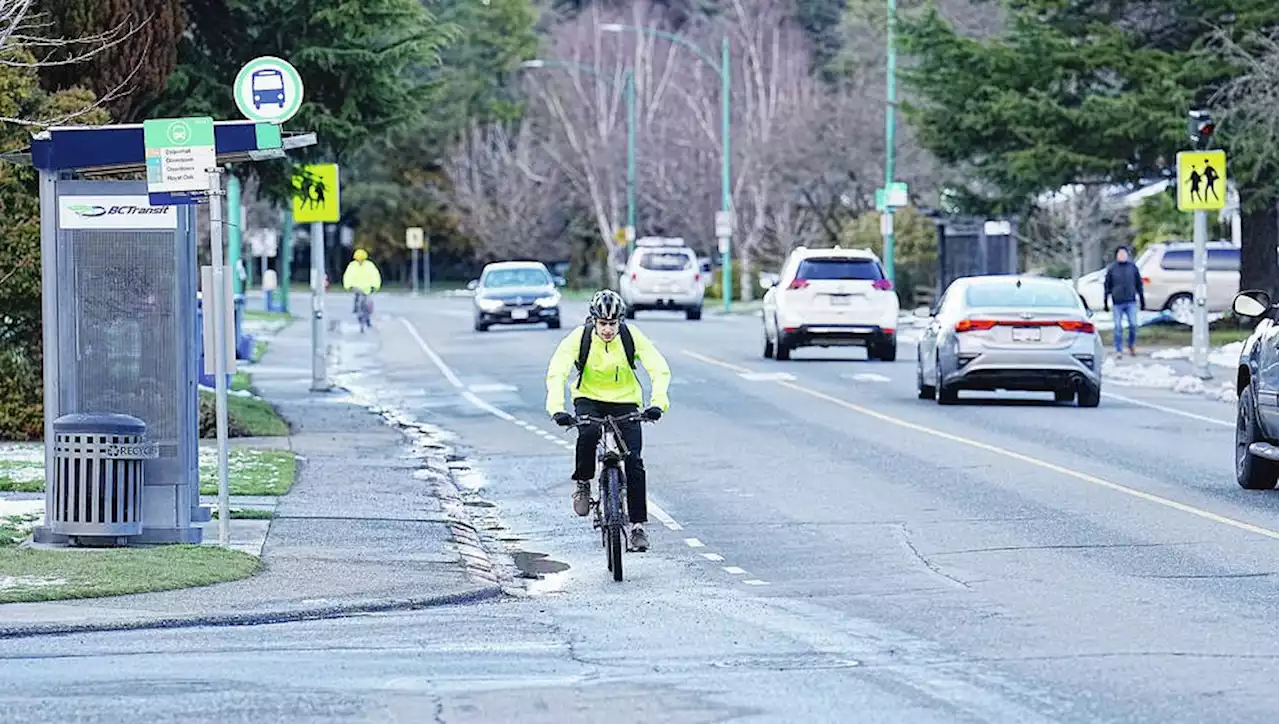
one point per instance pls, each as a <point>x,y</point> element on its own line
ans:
<point>828,298</point>
<point>662,274</point>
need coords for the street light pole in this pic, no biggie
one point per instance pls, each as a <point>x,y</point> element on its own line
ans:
<point>722,69</point>
<point>891,102</point>
<point>726,197</point>
<point>631,162</point>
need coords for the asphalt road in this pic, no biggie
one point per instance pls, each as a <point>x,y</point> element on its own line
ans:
<point>825,548</point>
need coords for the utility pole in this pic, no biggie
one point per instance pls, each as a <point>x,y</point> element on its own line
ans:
<point>631,162</point>
<point>319,373</point>
<point>1201,174</point>
<point>891,104</point>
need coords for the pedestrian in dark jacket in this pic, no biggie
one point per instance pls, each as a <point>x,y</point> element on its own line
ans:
<point>1123,287</point>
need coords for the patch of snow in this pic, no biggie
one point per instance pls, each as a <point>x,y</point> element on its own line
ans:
<point>21,507</point>
<point>8,583</point>
<point>1228,355</point>
<point>22,452</point>
<point>1161,376</point>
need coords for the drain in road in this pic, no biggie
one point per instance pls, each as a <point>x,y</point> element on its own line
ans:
<point>536,565</point>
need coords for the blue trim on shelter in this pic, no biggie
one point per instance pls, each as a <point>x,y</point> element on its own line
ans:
<point>88,147</point>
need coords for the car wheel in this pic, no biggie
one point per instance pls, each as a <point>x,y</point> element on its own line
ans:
<point>781,352</point>
<point>923,391</point>
<point>693,314</point>
<point>1252,472</point>
<point>1182,308</point>
<point>944,394</point>
<point>887,350</point>
<point>1066,395</point>
<point>768,346</point>
<point>631,312</point>
<point>553,324</point>
<point>481,326</point>
<point>1088,396</point>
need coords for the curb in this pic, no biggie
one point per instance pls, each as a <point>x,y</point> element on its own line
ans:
<point>258,618</point>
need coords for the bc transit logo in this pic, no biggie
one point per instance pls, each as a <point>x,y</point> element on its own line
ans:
<point>88,210</point>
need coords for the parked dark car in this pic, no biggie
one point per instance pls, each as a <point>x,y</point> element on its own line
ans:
<point>1257,382</point>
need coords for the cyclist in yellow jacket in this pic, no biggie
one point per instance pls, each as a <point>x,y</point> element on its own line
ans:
<point>605,351</point>
<point>362,277</point>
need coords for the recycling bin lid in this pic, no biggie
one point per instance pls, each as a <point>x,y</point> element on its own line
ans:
<point>108,423</point>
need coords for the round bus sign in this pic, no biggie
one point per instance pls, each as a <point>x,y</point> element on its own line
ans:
<point>268,89</point>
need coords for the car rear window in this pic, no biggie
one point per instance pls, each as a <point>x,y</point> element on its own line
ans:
<point>839,269</point>
<point>1179,260</point>
<point>666,261</point>
<point>1026,295</point>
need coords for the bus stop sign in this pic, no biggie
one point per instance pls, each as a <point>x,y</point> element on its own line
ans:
<point>268,89</point>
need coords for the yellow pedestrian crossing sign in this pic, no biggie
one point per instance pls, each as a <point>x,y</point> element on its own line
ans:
<point>1202,180</point>
<point>315,194</point>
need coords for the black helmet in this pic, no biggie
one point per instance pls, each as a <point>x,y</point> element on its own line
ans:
<point>607,305</point>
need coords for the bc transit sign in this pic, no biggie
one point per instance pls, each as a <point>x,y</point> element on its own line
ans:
<point>268,89</point>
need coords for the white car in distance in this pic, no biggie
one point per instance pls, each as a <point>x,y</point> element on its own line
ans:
<point>831,298</point>
<point>662,273</point>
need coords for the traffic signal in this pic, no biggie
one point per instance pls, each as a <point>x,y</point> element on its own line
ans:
<point>1200,127</point>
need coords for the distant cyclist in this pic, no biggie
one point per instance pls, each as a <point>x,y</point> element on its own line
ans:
<point>362,277</point>
<point>605,350</point>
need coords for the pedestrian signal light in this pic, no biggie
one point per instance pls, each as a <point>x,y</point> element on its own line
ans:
<point>1200,128</point>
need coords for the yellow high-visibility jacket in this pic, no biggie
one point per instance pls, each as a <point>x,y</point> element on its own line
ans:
<point>362,275</point>
<point>607,377</point>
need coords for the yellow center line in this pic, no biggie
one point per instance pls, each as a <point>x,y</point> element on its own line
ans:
<point>1083,477</point>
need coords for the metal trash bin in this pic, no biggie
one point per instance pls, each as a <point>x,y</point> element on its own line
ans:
<point>98,476</point>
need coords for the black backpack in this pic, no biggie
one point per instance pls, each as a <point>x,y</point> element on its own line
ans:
<point>584,348</point>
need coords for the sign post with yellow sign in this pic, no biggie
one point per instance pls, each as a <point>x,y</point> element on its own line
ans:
<point>316,202</point>
<point>1202,187</point>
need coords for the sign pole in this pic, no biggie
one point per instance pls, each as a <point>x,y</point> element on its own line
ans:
<point>416,292</point>
<point>426,266</point>
<point>219,352</point>
<point>319,381</point>
<point>1200,322</point>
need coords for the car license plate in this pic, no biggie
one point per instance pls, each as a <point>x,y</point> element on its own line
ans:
<point>519,313</point>
<point>1026,334</point>
<point>841,301</point>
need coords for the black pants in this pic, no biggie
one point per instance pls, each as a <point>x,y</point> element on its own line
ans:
<point>633,466</point>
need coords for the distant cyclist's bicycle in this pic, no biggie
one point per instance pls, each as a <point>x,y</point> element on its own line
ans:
<point>610,510</point>
<point>364,311</point>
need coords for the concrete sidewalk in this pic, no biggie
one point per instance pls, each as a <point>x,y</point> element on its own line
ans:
<point>363,528</point>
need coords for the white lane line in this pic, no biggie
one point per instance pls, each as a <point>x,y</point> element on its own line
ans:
<point>1029,460</point>
<point>694,543</point>
<point>471,397</point>
<point>1170,410</point>
<point>734,570</point>
<point>716,557</point>
<point>663,516</point>
<point>431,353</point>
<point>755,582</point>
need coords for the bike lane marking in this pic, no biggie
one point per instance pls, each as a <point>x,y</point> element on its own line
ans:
<point>663,516</point>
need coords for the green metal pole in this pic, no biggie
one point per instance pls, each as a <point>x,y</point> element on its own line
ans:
<point>891,102</point>
<point>631,158</point>
<point>234,215</point>
<point>725,194</point>
<point>286,261</point>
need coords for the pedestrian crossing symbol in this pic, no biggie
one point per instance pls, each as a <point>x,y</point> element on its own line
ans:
<point>315,194</point>
<point>1202,180</point>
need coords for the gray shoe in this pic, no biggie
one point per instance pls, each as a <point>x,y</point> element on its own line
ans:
<point>639,539</point>
<point>582,498</point>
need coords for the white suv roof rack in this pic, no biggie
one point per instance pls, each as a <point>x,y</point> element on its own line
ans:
<point>660,241</point>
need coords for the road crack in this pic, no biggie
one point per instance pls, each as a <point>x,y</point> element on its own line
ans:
<point>1063,547</point>
<point>906,539</point>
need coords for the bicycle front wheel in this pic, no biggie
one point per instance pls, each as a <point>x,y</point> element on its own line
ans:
<point>615,551</point>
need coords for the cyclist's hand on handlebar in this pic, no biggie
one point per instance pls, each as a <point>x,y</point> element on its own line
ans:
<point>653,413</point>
<point>563,419</point>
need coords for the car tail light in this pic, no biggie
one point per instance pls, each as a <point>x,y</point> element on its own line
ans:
<point>798,284</point>
<point>1072,325</point>
<point>883,285</point>
<point>887,330</point>
<point>1146,280</point>
<point>975,325</point>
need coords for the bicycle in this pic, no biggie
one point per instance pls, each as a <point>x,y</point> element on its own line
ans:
<point>364,311</point>
<point>610,510</point>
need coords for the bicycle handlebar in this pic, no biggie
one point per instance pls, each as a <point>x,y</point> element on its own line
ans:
<point>584,420</point>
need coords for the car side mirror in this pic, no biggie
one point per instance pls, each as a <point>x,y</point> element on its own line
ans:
<point>922,312</point>
<point>559,281</point>
<point>473,284</point>
<point>1251,303</point>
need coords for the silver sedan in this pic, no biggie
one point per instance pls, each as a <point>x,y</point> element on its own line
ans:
<point>1010,333</point>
